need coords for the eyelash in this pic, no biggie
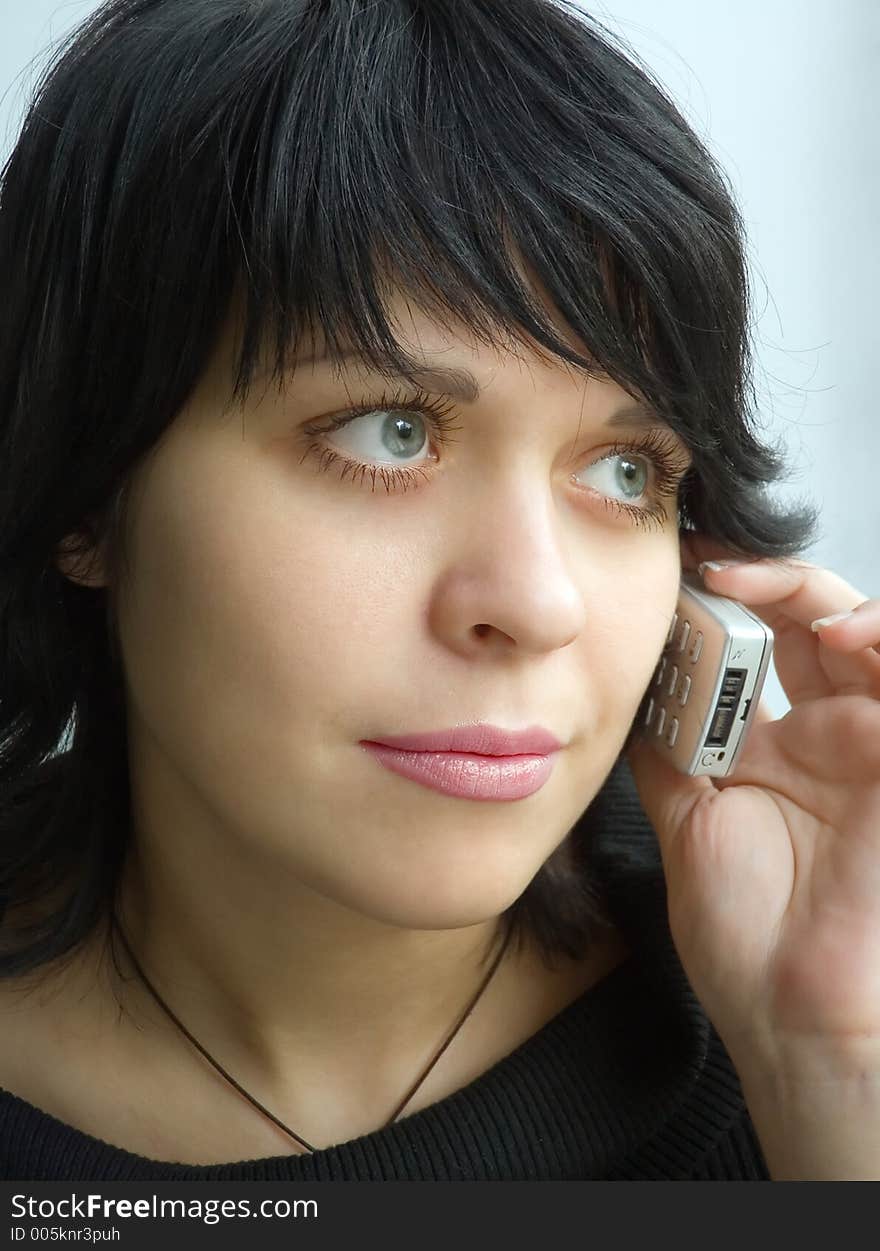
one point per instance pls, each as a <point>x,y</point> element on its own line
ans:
<point>666,459</point>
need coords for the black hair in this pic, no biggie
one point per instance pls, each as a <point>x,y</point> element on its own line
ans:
<point>301,153</point>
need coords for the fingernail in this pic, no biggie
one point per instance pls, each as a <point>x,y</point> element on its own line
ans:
<point>826,621</point>
<point>717,564</point>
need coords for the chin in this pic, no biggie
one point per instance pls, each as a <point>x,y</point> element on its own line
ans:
<point>430,910</point>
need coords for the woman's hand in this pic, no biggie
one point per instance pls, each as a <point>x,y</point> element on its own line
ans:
<point>773,874</point>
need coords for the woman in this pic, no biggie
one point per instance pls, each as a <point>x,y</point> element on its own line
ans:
<point>491,281</point>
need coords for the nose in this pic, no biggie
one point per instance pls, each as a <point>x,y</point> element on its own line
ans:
<point>509,575</point>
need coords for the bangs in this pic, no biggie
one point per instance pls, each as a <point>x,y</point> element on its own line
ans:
<point>368,156</point>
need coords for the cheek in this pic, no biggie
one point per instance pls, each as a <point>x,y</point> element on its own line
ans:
<point>628,631</point>
<point>252,604</point>
<point>645,606</point>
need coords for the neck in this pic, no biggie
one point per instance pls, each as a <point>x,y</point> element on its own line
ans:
<point>267,979</point>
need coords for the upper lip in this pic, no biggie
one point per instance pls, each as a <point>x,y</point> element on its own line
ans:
<point>478,737</point>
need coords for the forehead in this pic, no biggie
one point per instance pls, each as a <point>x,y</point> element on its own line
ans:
<point>437,347</point>
<point>430,340</point>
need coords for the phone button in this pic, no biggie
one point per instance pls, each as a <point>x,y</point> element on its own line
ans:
<point>672,626</point>
<point>684,690</point>
<point>673,681</point>
<point>673,733</point>
<point>661,721</point>
<point>685,631</point>
<point>661,669</point>
<point>649,714</point>
<point>697,649</point>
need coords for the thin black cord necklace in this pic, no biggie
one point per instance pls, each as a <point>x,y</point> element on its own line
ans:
<point>256,1103</point>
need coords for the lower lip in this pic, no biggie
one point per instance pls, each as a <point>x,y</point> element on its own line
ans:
<point>466,775</point>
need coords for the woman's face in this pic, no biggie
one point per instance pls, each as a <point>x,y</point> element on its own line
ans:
<point>278,615</point>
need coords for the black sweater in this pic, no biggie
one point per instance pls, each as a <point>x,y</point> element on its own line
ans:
<point>629,1082</point>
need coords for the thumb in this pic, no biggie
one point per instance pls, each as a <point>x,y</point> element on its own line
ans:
<point>667,796</point>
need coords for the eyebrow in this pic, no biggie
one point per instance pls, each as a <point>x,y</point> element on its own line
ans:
<point>462,385</point>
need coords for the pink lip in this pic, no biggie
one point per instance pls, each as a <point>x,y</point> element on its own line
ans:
<point>472,761</point>
<point>480,738</point>
<point>466,775</point>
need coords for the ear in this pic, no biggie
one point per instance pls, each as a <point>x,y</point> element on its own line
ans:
<point>81,560</point>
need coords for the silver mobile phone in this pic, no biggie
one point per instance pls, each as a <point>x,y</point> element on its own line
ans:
<point>707,684</point>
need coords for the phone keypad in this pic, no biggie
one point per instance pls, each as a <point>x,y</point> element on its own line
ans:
<point>672,735</point>
<point>671,681</point>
